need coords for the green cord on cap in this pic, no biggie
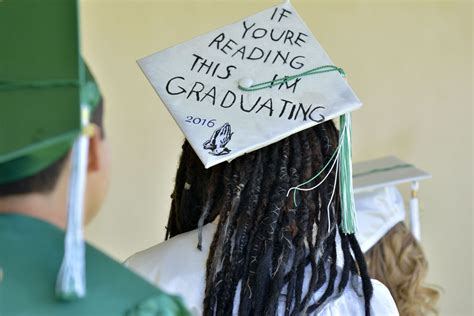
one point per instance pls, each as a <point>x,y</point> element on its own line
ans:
<point>314,71</point>
<point>342,156</point>
<point>38,84</point>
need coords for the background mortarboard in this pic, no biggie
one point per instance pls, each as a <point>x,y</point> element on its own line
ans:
<point>372,175</point>
<point>385,171</point>
<point>378,211</point>
<point>46,95</point>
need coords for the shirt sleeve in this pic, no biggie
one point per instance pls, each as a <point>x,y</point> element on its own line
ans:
<point>352,303</point>
<point>382,301</point>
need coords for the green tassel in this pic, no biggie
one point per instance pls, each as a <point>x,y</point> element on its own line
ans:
<point>349,219</point>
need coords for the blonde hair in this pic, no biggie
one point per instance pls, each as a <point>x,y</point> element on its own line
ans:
<point>398,261</point>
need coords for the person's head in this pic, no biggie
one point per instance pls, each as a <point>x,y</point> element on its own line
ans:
<point>55,177</point>
<point>397,260</point>
<point>264,242</point>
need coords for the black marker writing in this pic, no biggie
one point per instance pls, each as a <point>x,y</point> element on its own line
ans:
<point>287,84</point>
<point>286,36</point>
<point>285,109</point>
<point>215,69</point>
<point>283,14</point>
<point>256,53</point>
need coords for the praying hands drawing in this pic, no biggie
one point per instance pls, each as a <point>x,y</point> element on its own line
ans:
<point>218,141</point>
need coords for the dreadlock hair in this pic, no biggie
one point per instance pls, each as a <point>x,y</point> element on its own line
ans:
<point>264,245</point>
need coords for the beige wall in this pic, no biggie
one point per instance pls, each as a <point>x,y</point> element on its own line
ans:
<point>410,63</point>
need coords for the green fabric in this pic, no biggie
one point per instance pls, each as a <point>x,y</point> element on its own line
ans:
<point>158,305</point>
<point>33,162</point>
<point>40,110</point>
<point>30,256</point>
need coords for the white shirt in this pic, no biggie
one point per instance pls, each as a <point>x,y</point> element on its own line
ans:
<point>179,268</point>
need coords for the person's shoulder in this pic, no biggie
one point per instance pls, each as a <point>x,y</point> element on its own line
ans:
<point>107,276</point>
<point>351,301</point>
<point>179,253</point>
<point>31,256</point>
<point>176,264</point>
<point>382,301</point>
<point>149,259</point>
<point>113,289</point>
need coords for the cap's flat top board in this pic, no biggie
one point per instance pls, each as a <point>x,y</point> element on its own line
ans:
<point>198,82</point>
<point>383,172</point>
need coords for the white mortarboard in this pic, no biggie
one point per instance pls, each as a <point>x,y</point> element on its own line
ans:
<point>252,83</point>
<point>379,205</point>
<point>198,81</point>
<point>384,172</point>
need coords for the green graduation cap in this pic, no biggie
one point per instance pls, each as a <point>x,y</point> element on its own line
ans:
<point>46,95</point>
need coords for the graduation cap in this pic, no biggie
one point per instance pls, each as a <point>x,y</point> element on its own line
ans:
<point>46,97</point>
<point>252,83</point>
<point>379,205</point>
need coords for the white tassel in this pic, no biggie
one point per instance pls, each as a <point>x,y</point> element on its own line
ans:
<point>415,211</point>
<point>71,282</point>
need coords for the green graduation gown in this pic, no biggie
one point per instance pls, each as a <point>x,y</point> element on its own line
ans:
<point>31,252</point>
